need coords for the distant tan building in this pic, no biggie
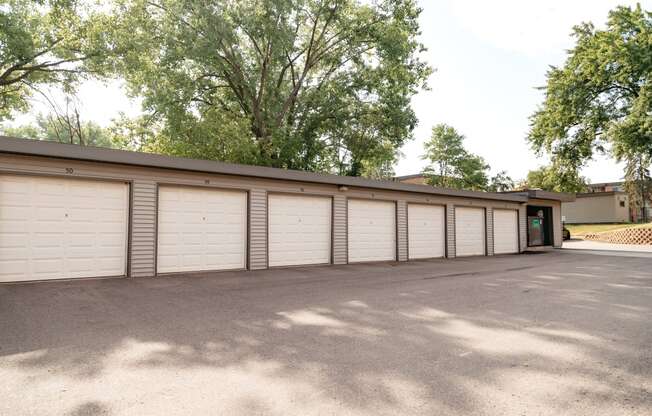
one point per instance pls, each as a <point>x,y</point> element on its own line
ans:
<point>597,207</point>
<point>417,179</point>
<point>605,202</point>
<point>606,187</point>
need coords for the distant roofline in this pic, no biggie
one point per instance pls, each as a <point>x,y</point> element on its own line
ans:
<point>41,148</point>
<point>413,176</point>
<point>605,183</point>
<point>541,194</point>
<point>599,194</point>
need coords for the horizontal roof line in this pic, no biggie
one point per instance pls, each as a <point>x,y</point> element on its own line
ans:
<point>106,155</point>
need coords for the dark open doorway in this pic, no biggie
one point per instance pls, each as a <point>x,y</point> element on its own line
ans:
<point>539,226</point>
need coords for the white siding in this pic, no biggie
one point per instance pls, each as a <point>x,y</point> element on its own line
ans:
<point>372,230</point>
<point>299,230</point>
<point>201,229</point>
<point>426,231</point>
<point>469,231</point>
<point>54,228</point>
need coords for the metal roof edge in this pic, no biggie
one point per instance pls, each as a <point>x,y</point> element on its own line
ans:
<point>554,196</point>
<point>43,148</point>
<point>597,194</point>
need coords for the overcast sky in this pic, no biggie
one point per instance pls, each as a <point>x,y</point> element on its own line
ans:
<point>489,57</point>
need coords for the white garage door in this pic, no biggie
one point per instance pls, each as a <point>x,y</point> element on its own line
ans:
<point>57,228</point>
<point>299,230</point>
<point>371,230</point>
<point>201,229</point>
<point>426,231</point>
<point>505,231</point>
<point>469,231</point>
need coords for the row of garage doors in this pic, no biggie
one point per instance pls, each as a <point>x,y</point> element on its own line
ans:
<point>66,228</point>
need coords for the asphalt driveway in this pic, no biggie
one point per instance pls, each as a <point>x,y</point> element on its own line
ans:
<point>546,334</point>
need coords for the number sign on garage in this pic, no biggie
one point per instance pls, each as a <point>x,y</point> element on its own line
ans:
<point>505,231</point>
<point>61,228</point>
<point>299,229</point>
<point>201,229</point>
<point>469,231</point>
<point>371,230</point>
<point>426,231</point>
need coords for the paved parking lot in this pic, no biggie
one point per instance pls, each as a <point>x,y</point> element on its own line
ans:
<point>547,334</point>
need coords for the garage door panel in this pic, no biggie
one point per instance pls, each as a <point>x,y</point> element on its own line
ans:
<point>371,230</point>
<point>48,267</point>
<point>11,268</point>
<point>469,231</point>
<point>38,214</point>
<point>201,229</point>
<point>426,231</point>
<point>299,229</point>
<point>505,231</point>
<point>62,228</point>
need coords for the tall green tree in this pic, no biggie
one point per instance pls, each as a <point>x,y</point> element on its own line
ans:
<point>320,85</point>
<point>48,42</point>
<point>600,100</point>
<point>451,165</point>
<point>551,178</point>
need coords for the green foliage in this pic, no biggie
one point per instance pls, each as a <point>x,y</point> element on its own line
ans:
<point>44,43</point>
<point>51,128</point>
<point>638,183</point>
<point>501,182</point>
<point>302,84</point>
<point>452,166</point>
<point>601,99</point>
<point>555,178</point>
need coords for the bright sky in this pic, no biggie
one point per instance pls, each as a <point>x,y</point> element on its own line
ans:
<point>489,56</point>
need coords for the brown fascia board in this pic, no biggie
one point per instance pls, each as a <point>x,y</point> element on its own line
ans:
<point>555,196</point>
<point>540,194</point>
<point>123,157</point>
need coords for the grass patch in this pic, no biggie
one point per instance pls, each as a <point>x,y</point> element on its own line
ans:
<point>580,230</point>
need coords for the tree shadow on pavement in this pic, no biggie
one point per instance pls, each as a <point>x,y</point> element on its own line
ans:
<point>504,335</point>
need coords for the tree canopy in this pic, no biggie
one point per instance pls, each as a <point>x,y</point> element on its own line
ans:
<point>551,178</point>
<point>600,100</point>
<point>47,42</point>
<point>303,84</point>
<point>452,166</point>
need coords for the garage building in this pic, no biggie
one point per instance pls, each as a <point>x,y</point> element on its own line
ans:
<point>70,211</point>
